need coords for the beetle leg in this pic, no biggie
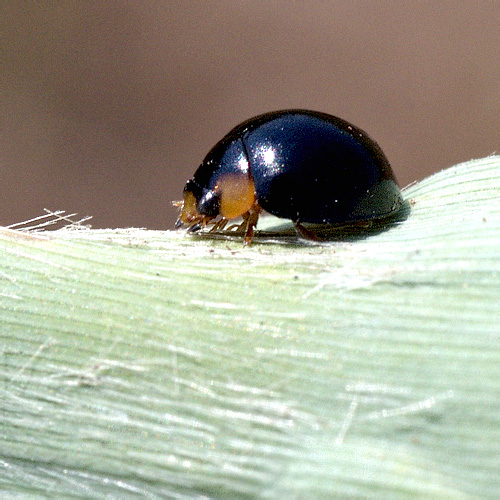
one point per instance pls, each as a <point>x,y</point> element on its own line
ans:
<point>242,226</point>
<point>193,228</point>
<point>219,225</point>
<point>303,232</point>
<point>222,224</point>
<point>252,216</point>
<point>199,223</point>
<point>363,224</point>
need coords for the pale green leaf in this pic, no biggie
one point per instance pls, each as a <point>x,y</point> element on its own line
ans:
<point>153,364</point>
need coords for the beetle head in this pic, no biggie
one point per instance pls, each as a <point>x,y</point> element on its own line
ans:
<point>232,195</point>
<point>198,207</point>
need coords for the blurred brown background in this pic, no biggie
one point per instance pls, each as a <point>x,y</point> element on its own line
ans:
<point>109,106</point>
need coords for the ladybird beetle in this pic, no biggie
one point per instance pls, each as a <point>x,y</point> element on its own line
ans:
<point>296,164</point>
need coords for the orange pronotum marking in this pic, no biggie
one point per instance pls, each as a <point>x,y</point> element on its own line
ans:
<point>237,195</point>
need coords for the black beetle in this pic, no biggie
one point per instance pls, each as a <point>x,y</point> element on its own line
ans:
<point>296,164</point>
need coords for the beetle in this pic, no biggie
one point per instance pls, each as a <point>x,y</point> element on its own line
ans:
<point>296,164</point>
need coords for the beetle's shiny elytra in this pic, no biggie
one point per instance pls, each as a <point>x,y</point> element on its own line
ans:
<point>296,164</point>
